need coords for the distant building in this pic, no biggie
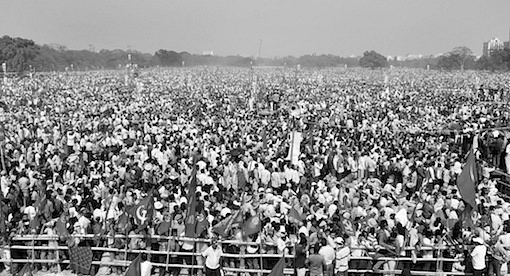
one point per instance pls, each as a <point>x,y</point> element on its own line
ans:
<point>208,53</point>
<point>492,45</point>
<point>495,44</point>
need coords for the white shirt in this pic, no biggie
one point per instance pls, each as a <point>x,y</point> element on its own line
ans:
<point>212,257</point>
<point>342,259</point>
<point>478,257</point>
<point>145,268</point>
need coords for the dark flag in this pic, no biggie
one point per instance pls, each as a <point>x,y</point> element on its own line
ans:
<point>3,227</point>
<point>264,138</point>
<point>467,180</point>
<point>225,225</point>
<point>295,214</point>
<point>201,227</point>
<point>61,230</point>
<point>143,212</point>
<point>252,226</point>
<point>191,219</point>
<point>134,268</point>
<point>25,271</point>
<point>278,268</point>
<point>81,259</point>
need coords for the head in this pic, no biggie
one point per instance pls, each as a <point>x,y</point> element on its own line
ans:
<point>214,242</point>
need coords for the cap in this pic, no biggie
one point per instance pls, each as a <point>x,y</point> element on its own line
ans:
<point>158,205</point>
<point>339,240</point>
<point>478,240</point>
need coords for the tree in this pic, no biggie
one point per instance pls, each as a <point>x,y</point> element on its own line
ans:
<point>18,53</point>
<point>167,58</point>
<point>373,60</point>
<point>457,58</point>
<point>499,60</point>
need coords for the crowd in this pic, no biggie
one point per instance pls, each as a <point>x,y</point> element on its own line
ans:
<point>375,172</point>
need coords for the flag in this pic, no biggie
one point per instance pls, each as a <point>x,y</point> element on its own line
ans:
<point>134,268</point>
<point>191,219</point>
<point>143,212</point>
<point>81,259</point>
<point>61,230</point>
<point>295,214</point>
<point>25,271</point>
<point>35,223</point>
<point>164,228</point>
<point>3,226</point>
<point>201,227</point>
<point>467,180</point>
<point>278,268</point>
<point>252,226</point>
<point>264,138</point>
<point>224,226</point>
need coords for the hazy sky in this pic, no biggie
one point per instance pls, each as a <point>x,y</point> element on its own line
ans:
<point>286,27</point>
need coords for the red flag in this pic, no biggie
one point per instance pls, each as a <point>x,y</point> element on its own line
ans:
<point>191,219</point>
<point>164,228</point>
<point>25,271</point>
<point>143,212</point>
<point>81,259</point>
<point>295,214</point>
<point>201,227</point>
<point>252,226</point>
<point>278,268</point>
<point>61,229</point>
<point>264,138</point>
<point>467,180</point>
<point>134,268</point>
<point>224,226</point>
<point>3,227</point>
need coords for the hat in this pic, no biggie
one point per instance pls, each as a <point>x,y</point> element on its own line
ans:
<point>478,240</point>
<point>339,240</point>
<point>158,205</point>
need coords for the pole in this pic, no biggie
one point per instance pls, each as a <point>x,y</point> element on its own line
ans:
<point>127,245</point>
<point>167,253</point>
<point>260,252</point>
<point>260,47</point>
<point>2,155</point>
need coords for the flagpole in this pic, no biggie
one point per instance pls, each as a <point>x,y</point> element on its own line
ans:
<point>168,252</point>
<point>260,245</point>
<point>295,255</point>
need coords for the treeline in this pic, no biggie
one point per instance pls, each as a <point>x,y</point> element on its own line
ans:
<point>21,55</point>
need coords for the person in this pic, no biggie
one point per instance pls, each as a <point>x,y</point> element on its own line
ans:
<point>387,249</point>
<point>316,262</point>
<point>212,255</point>
<point>145,266</point>
<point>328,252</point>
<point>342,255</point>
<point>301,249</point>
<point>478,255</point>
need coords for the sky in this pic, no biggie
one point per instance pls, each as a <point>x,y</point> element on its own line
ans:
<point>237,27</point>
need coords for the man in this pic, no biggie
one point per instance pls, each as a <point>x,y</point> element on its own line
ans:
<point>342,257</point>
<point>478,256</point>
<point>328,252</point>
<point>212,257</point>
<point>145,266</point>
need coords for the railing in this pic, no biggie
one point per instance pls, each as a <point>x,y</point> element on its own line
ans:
<point>32,252</point>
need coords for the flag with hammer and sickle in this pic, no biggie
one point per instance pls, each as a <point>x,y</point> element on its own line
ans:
<point>143,212</point>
